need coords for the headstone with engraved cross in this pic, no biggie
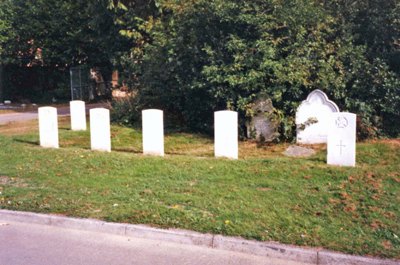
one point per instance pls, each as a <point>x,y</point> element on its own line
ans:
<point>342,139</point>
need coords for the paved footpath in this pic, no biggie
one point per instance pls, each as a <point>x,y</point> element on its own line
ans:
<point>30,239</point>
<point>30,244</point>
<point>33,115</point>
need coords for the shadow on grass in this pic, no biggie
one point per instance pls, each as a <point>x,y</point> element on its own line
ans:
<point>171,153</point>
<point>31,142</point>
<point>66,146</point>
<point>126,150</point>
<point>200,155</point>
<point>319,159</point>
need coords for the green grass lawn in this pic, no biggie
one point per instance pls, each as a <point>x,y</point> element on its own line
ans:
<point>263,195</point>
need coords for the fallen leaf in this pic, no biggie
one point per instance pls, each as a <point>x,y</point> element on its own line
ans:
<point>351,179</point>
<point>389,214</point>
<point>376,224</point>
<point>350,208</point>
<point>264,189</point>
<point>333,201</point>
<point>345,195</point>
<point>386,244</point>
<point>375,197</point>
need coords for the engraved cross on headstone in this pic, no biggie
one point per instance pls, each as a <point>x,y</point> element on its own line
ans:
<point>341,145</point>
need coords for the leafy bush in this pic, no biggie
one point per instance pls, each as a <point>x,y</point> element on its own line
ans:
<point>209,56</point>
<point>125,111</point>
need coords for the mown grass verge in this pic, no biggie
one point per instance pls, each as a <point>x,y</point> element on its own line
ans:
<point>263,196</point>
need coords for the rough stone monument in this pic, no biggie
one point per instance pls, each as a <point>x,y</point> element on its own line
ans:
<point>313,118</point>
<point>261,126</point>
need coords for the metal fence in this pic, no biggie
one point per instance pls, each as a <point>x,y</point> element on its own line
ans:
<point>80,85</point>
<point>89,83</point>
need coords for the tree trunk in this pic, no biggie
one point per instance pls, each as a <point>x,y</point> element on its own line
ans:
<point>1,82</point>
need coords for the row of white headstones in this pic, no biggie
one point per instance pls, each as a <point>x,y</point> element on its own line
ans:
<point>225,142</point>
<point>340,136</point>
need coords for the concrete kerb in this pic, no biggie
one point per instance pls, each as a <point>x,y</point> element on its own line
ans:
<point>332,258</point>
<point>267,249</point>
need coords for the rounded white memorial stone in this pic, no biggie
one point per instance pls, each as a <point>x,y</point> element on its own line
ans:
<point>226,134</point>
<point>48,127</point>
<point>153,132</point>
<point>100,135</point>
<point>78,115</point>
<point>313,117</point>
<point>342,139</point>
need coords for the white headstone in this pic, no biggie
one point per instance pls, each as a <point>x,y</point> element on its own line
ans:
<point>48,127</point>
<point>226,134</point>
<point>342,139</point>
<point>100,136</point>
<point>78,115</point>
<point>312,118</point>
<point>153,132</point>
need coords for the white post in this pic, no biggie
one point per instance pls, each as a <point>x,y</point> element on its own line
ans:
<point>342,139</point>
<point>78,115</point>
<point>100,136</point>
<point>153,132</point>
<point>226,134</point>
<point>48,127</point>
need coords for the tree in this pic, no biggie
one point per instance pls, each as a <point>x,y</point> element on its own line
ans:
<point>4,36</point>
<point>209,55</point>
<point>87,33</point>
<point>373,23</point>
<point>59,34</point>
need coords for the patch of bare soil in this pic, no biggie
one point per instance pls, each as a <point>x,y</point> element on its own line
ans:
<point>395,142</point>
<point>19,128</point>
<point>14,182</point>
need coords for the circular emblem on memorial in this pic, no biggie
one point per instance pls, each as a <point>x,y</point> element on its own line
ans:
<point>341,122</point>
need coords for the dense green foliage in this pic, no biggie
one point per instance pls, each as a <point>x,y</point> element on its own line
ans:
<point>52,36</point>
<point>374,24</point>
<point>206,56</point>
<point>191,58</point>
<point>4,27</point>
<point>67,32</point>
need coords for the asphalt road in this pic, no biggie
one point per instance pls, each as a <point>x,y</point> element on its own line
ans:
<point>31,244</point>
<point>15,117</point>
